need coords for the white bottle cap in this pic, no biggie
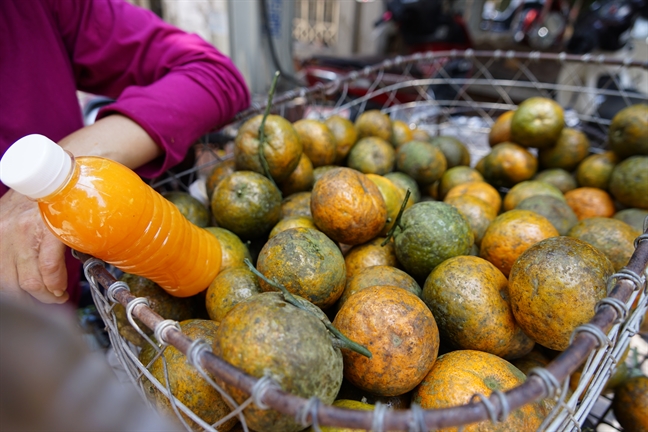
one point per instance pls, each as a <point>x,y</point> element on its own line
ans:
<point>35,166</point>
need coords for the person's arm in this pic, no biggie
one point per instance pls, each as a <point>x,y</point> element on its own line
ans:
<point>32,258</point>
<point>171,87</point>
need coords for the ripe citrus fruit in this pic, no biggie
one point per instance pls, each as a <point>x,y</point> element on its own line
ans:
<point>556,210</point>
<point>265,335</point>
<point>527,189</point>
<point>595,170</point>
<point>457,376</point>
<point>590,202</point>
<point>481,190</point>
<point>234,250</point>
<point>318,141</point>
<point>421,135</point>
<point>372,155</point>
<point>633,217</point>
<point>553,273</point>
<point>320,171</point>
<point>456,176</point>
<point>218,173</point>
<point>186,383</point>
<point>307,263</point>
<point>477,212</point>
<point>629,182</point>
<point>501,129</point>
<point>401,133</point>
<point>431,232</point>
<point>301,179</point>
<point>374,123</point>
<point>297,204</point>
<point>246,203</point>
<point>508,164</point>
<point>468,298</point>
<point>228,289</point>
<point>630,404</point>
<point>404,344</point>
<point>345,135</point>
<point>393,197</point>
<point>537,122</point>
<point>629,131</point>
<point>422,161</point>
<point>282,148</point>
<point>350,404</point>
<point>455,151</point>
<point>610,236</point>
<point>370,254</point>
<point>557,177</point>
<point>512,233</point>
<point>570,149</point>
<point>348,207</point>
<point>379,275</point>
<point>292,222</point>
<point>405,182</point>
<point>190,207</point>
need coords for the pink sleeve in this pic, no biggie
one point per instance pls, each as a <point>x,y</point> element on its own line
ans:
<point>173,84</point>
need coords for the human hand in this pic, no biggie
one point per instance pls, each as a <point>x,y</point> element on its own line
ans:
<point>32,260</point>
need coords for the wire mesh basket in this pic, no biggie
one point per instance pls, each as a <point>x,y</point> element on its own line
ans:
<point>421,90</point>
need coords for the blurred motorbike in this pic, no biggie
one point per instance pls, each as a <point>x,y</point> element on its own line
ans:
<point>613,28</point>
<point>422,26</point>
<point>537,24</point>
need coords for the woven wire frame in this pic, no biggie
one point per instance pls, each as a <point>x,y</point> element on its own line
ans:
<point>409,89</point>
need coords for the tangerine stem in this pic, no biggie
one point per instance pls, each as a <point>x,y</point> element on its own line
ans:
<point>346,342</point>
<point>262,137</point>
<point>397,224</point>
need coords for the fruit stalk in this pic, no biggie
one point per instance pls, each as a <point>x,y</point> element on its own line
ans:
<point>345,341</point>
<point>264,162</point>
<point>391,232</point>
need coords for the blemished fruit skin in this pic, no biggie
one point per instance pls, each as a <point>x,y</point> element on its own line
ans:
<point>282,148</point>
<point>551,274</point>
<point>570,149</point>
<point>379,275</point>
<point>369,254</point>
<point>537,122</point>
<point>374,123</point>
<point>629,182</point>
<point>458,375</point>
<point>628,133</point>
<point>348,207</point>
<point>319,142</point>
<point>297,204</point>
<point>512,233</point>
<point>422,161</point>
<point>301,179</point>
<point>307,263</point>
<point>265,335</point>
<point>630,404</point>
<point>468,298</point>
<point>611,236</point>
<point>185,382</point>
<point>246,203</point>
<point>399,331</point>
<point>372,155</point>
<point>431,233</point>
<point>228,289</point>
<point>557,211</point>
<point>508,164</point>
<point>233,249</point>
<point>529,188</point>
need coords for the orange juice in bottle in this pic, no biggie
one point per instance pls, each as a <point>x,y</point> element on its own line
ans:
<point>100,207</point>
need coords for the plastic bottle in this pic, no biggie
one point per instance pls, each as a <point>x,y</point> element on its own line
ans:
<point>100,207</point>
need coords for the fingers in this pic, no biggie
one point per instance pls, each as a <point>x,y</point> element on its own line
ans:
<point>51,263</point>
<point>31,261</point>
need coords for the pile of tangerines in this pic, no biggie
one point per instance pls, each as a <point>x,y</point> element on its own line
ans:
<point>454,280</point>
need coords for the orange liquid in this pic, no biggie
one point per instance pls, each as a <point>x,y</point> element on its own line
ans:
<point>107,211</point>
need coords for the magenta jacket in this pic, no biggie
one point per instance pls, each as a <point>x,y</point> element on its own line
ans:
<point>174,84</point>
